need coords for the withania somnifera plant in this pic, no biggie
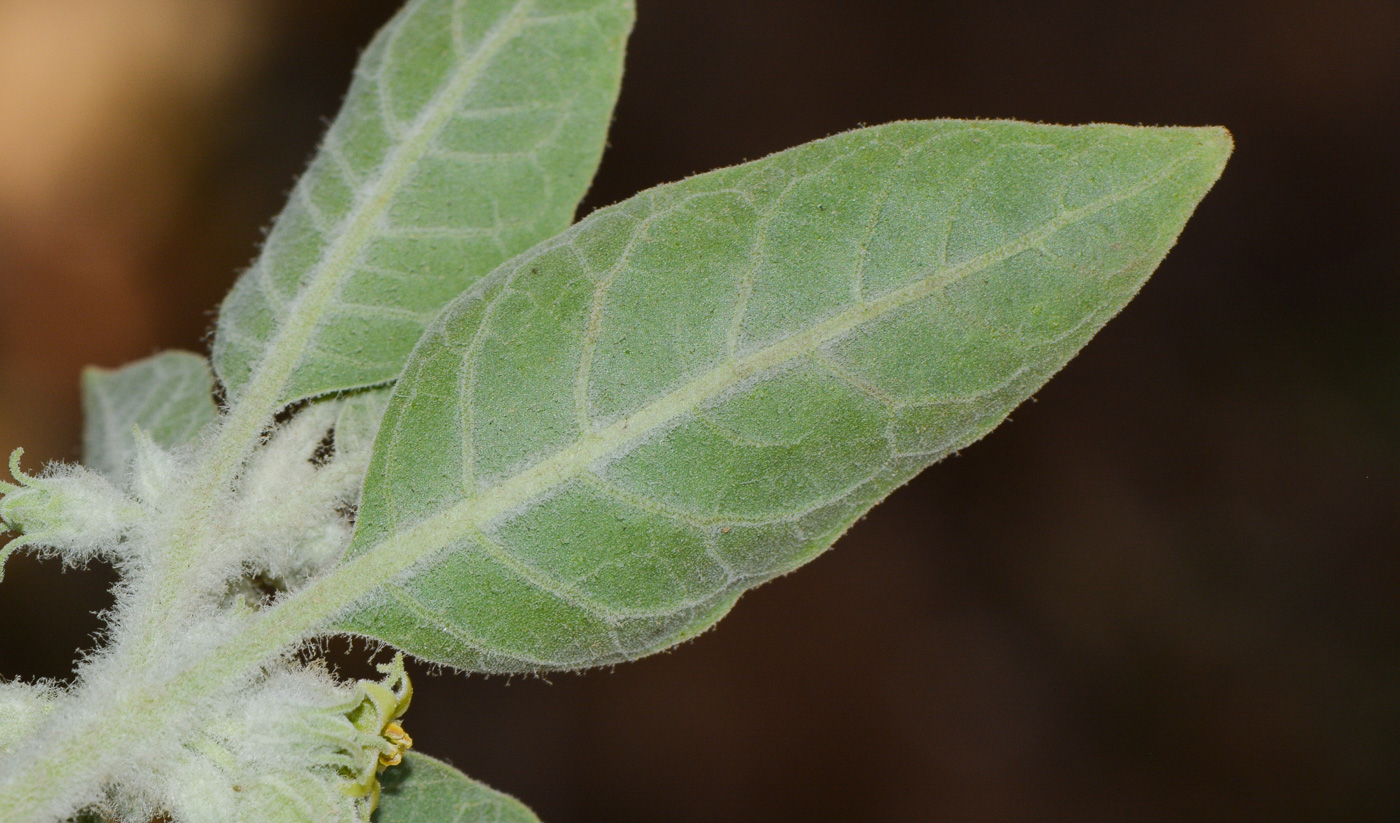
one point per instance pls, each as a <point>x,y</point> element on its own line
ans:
<point>451,422</point>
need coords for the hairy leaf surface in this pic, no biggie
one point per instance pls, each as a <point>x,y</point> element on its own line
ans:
<point>425,790</point>
<point>170,396</point>
<point>469,134</point>
<point>593,454</point>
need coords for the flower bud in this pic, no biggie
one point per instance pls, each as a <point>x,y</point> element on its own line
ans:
<point>76,512</point>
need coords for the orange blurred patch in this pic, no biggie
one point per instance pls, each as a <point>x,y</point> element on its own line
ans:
<point>104,107</point>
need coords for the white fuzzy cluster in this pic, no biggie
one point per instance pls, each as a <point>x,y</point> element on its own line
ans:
<point>286,523</point>
<point>68,510</point>
<point>276,749</point>
<point>22,708</point>
<point>272,757</point>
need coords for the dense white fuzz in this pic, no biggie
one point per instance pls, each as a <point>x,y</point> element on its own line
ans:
<point>296,747</point>
<point>22,708</point>
<point>69,510</point>
<point>287,519</point>
<point>155,472</point>
<point>274,754</point>
<point>278,748</point>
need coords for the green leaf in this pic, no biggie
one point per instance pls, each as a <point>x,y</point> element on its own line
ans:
<point>470,132</point>
<point>591,456</point>
<point>170,396</point>
<point>424,790</point>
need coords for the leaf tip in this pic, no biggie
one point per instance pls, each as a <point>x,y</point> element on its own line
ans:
<point>1217,143</point>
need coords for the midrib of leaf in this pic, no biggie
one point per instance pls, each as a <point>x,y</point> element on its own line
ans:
<point>242,427</point>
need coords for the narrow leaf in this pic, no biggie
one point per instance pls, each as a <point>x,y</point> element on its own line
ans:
<point>424,790</point>
<point>594,454</point>
<point>470,132</point>
<point>170,396</point>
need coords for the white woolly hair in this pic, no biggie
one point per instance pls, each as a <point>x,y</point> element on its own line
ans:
<point>284,519</point>
<point>266,737</point>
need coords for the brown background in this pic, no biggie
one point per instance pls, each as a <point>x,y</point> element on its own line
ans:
<point>1165,591</point>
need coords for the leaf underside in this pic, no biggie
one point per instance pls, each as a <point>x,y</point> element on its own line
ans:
<point>422,788</point>
<point>169,396</point>
<point>469,134</point>
<point>590,456</point>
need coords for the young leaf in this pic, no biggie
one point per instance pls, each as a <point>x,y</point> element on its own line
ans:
<point>470,133</point>
<point>591,456</point>
<point>170,396</point>
<point>424,790</point>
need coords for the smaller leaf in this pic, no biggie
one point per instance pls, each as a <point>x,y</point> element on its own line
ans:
<point>169,396</point>
<point>425,790</point>
<point>470,134</point>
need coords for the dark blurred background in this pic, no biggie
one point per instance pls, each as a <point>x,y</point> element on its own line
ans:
<point>1164,591</point>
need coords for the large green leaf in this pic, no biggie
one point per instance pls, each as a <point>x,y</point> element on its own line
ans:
<point>471,131</point>
<point>596,452</point>
<point>424,790</point>
<point>170,396</point>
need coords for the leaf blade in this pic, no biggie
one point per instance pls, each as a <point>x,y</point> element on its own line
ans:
<point>470,133</point>
<point>592,456</point>
<point>426,790</point>
<point>170,396</point>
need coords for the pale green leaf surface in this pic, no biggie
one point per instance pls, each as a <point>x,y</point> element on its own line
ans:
<point>469,134</point>
<point>594,453</point>
<point>170,396</point>
<point>358,421</point>
<point>425,790</point>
